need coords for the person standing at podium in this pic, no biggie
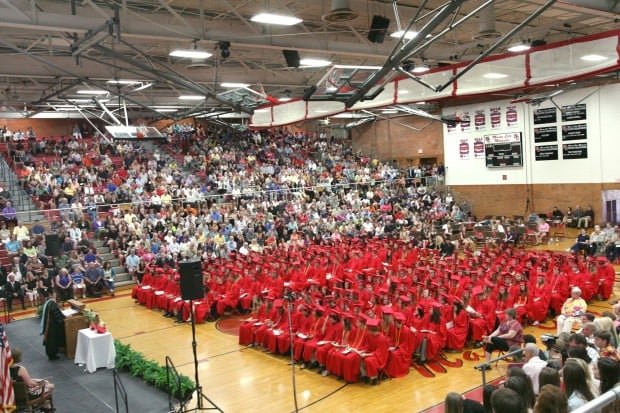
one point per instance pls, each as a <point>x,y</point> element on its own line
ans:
<point>52,328</point>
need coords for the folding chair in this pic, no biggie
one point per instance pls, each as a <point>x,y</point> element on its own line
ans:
<point>28,403</point>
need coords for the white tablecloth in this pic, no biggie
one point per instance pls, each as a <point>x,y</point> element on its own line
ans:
<point>95,350</point>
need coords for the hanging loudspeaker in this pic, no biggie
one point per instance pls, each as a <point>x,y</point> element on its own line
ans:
<point>378,28</point>
<point>291,57</point>
<point>191,280</point>
<point>52,245</point>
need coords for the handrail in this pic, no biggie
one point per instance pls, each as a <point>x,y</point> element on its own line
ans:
<point>601,401</point>
<point>171,371</point>
<point>119,388</point>
<point>496,359</point>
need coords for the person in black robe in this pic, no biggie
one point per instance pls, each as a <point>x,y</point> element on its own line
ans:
<point>52,328</point>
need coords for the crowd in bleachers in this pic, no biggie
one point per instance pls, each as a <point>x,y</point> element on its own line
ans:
<point>363,251</point>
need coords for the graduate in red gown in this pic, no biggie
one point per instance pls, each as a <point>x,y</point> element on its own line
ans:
<point>299,318</point>
<point>331,339</point>
<point>540,297</point>
<point>374,352</point>
<point>137,293</point>
<point>334,357</point>
<point>257,317</point>
<point>332,327</point>
<point>478,318</point>
<point>230,294</point>
<point>157,284</point>
<point>520,302</point>
<point>457,333</point>
<point>559,290</point>
<point>347,361</point>
<point>436,333</point>
<point>606,278</point>
<point>401,348</point>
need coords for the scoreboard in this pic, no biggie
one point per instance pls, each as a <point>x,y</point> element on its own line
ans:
<point>503,150</point>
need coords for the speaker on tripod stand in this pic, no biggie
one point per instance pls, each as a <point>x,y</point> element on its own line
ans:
<point>192,288</point>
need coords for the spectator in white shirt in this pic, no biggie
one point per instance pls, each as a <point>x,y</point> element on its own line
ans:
<point>533,364</point>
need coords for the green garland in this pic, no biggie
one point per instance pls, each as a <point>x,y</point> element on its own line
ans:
<point>134,362</point>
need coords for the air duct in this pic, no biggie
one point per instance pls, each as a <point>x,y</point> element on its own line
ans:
<point>341,12</point>
<point>487,24</point>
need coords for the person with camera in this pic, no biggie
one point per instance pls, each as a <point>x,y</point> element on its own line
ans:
<point>508,334</point>
<point>572,310</point>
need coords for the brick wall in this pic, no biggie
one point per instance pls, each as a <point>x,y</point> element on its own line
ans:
<point>390,141</point>
<point>45,127</point>
<point>509,200</point>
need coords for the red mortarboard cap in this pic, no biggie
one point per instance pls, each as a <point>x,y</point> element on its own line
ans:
<point>278,303</point>
<point>399,316</point>
<point>386,309</point>
<point>436,304</point>
<point>405,299</point>
<point>319,307</point>
<point>602,259</point>
<point>373,322</point>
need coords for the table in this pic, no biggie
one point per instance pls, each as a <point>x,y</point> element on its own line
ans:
<point>95,350</point>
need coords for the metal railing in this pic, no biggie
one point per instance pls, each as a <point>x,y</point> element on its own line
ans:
<point>482,366</point>
<point>119,388</point>
<point>605,399</point>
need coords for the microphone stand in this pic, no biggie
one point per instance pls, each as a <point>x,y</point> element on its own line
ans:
<point>290,336</point>
<point>199,394</point>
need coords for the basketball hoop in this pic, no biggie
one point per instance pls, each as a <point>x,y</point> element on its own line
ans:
<point>141,129</point>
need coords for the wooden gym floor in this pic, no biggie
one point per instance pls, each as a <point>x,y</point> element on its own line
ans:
<point>239,379</point>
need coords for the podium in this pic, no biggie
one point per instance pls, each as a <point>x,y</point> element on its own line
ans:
<point>73,324</point>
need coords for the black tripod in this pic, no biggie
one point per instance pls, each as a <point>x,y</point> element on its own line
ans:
<point>199,394</point>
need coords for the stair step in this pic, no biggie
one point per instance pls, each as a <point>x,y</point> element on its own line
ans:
<point>118,284</point>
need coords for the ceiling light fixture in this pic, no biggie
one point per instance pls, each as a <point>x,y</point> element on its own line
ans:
<point>519,47</point>
<point>357,67</point>
<point>191,97</point>
<point>233,84</point>
<point>421,68</point>
<point>285,99</point>
<point>593,58</point>
<point>314,62</point>
<point>92,92</point>
<point>224,47</point>
<point>122,82</point>
<point>165,110</point>
<point>191,54</point>
<point>493,75</point>
<point>277,19</point>
<point>410,34</point>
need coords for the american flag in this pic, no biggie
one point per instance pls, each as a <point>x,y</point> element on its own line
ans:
<point>7,404</point>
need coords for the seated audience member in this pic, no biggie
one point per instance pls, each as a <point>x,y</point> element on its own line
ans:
<point>508,400</point>
<point>612,244</point>
<point>542,231</point>
<point>587,218</point>
<point>93,278</point>
<point>582,243</point>
<point>557,215</point>
<point>533,364</point>
<point>551,400</point>
<point>508,334</point>
<point>456,403</point>
<point>597,241</point>
<point>21,232</point>
<point>35,387</point>
<point>12,290</point>
<point>549,375</point>
<point>602,339</point>
<point>9,214</point>
<point>576,387</point>
<point>109,274</point>
<point>573,308</point>
<point>64,285</point>
<point>608,373</point>
<point>579,340</point>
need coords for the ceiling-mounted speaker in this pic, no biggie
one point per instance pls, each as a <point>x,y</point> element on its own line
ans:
<point>308,92</point>
<point>378,29</point>
<point>291,57</point>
